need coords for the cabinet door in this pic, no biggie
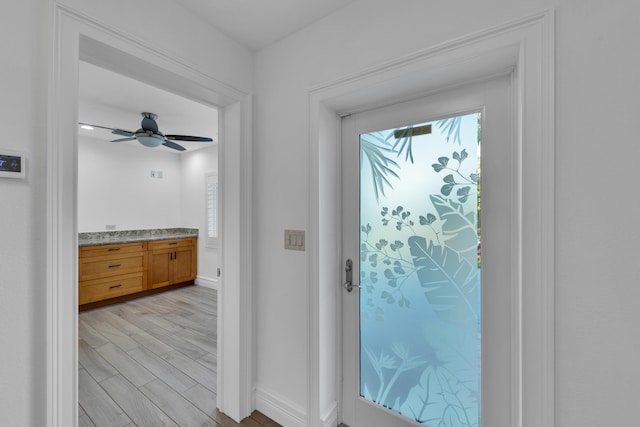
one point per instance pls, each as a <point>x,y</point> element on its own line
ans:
<point>160,268</point>
<point>183,264</point>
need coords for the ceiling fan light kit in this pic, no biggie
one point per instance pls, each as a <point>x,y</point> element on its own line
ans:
<point>150,136</point>
<point>149,140</point>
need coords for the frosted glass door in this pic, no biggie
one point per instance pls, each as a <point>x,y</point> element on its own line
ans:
<point>415,349</point>
<point>419,270</point>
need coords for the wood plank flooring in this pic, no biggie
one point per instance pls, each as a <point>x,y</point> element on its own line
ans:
<point>151,362</point>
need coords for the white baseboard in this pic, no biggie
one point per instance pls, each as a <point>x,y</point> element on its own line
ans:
<point>207,282</point>
<point>330,417</point>
<point>279,408</point>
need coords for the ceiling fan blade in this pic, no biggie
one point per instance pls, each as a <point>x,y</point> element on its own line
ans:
<point>188,138</point>
<point>123,139</point>
<point>173,145</point>
<point>122,132</point>
<point>94,126</point>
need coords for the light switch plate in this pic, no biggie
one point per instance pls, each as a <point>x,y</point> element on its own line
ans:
<point>294,240</point>
<point>13,164</point>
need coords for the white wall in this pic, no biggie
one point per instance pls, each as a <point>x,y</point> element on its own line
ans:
<point>115,187</point>
<point>194,166</point>
<point>597,375</point>
<point>22,219</point>
<point>26,46</point>
<point>175,31</point>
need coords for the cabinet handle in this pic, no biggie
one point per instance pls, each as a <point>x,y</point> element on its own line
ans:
<point>114,265</point>
<point>173,243</point>
<point>113,249</point>
<point>115,286</point>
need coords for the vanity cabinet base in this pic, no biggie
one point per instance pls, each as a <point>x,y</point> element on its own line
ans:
<point>114,273</point>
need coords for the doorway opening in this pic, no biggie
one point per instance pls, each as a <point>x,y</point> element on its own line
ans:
<point>126,189</point>
<point>80,39</point>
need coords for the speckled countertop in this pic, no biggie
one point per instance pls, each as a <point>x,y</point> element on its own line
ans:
<point>127,236</point>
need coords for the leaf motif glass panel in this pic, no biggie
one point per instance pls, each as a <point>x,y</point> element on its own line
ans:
<point>420,271</point>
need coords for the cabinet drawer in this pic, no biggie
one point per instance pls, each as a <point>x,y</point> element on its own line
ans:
<point>169,244</point>
<point>102,250</point>
<point>94,268</point>
<point>96,290</point>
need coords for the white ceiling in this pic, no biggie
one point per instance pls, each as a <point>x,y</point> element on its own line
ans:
<point>115,101</point>
<point>112,100</point>
<point>259,23</point>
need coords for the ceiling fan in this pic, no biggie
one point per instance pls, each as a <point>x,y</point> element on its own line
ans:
<point>149,135</point>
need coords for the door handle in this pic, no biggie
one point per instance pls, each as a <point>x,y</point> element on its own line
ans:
<point>348,284</point>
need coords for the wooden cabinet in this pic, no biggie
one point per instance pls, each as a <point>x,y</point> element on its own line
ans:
<point>172,261</point>
<point>109,271</point>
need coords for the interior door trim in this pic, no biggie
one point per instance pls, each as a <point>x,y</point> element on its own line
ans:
<point>527,46</point>
<point>76,37</point>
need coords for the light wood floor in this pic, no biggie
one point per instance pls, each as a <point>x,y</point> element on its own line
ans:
<point>151,362</point>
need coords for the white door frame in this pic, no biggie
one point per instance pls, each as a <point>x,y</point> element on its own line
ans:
<point>527,47</point>
<point>77,37</point>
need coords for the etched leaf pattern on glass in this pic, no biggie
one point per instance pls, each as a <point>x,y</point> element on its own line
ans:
<point>419,253</point>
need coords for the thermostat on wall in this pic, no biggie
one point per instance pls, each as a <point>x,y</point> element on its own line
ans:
<point>12,164</point>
